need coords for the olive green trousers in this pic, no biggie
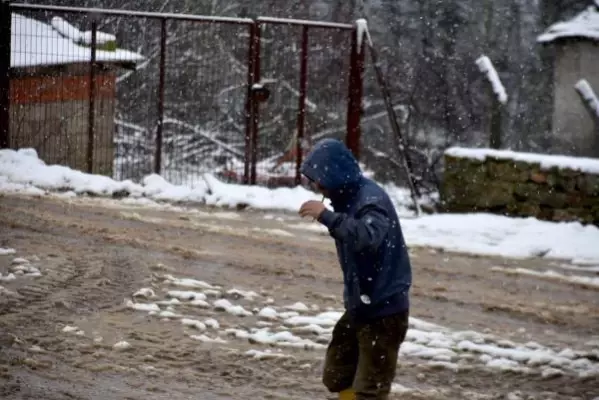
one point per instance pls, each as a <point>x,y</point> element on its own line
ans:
<point>363,356</point>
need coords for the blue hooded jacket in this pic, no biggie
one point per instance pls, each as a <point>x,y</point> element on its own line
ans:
<point>377,274</point>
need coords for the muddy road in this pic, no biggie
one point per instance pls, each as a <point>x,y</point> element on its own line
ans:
<point>101,299</point>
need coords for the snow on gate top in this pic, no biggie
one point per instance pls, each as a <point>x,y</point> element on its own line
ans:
<point>586,165</point>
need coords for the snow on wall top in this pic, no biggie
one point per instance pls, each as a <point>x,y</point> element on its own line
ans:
<point>587,165</point>
<point>585,25</point>
<point>35,43</point>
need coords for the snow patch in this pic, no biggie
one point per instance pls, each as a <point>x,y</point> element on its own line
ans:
<point>362,32</point>
<point>266,354</point>
<point>225,305</point>
<point>189,283</point>
<point>149,307</point>
<point>122,346</point>
<point>207,339</point>
<point>6,251</point>
<point>194,324</point>
<point>146,293</point>
<point>186,295</point>
<point>298,307</point>
<point>580,280</point>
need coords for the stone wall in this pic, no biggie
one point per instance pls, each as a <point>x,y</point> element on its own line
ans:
<point>553,188</point>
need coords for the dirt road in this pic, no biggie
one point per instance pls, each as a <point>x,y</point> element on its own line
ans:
<point>239,305</point>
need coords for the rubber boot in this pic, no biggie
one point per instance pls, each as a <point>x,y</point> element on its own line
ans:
<point>347,394</point>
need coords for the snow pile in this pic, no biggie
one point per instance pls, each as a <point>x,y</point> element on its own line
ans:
<point>582,164</point>
<point>22,171</point>
<point>23,167</point>
<point>586,91</point>
<point>496,235</point>
<point>585,25</point>
<point>35,43</point>
<point>486,67</point>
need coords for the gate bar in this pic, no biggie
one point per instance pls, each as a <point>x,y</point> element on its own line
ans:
<point>129,13</point>
<point>255,103</point>
<point>161,84</point>
<point>354,103</point>
<point>301,113</point>
<point>304,22</point>
<point>249,106</point>
<point>91,116</point>
<point>5,39</point>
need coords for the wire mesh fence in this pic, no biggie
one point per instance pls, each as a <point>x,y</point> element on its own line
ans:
<point>62,101</point>
<point>126,94</point>
<point>306,68</point>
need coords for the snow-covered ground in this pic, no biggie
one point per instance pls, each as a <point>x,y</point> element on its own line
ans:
<point>275,329</point>
<point>484,234</point>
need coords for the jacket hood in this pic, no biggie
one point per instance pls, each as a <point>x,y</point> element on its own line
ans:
<point>332,165</point>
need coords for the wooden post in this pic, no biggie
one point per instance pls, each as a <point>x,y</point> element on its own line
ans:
<point>496,127</point>
<point>499,99</point>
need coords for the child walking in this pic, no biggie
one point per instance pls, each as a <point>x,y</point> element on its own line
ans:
<point>361,358</point>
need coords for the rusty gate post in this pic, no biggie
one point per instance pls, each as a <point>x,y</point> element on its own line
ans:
<point>301,113</point>
<point>354,104</point>
<point>255,109</point>
<point>161,84</point>
<point>5,51</point>
<point>91,128</point>
<point>249,104</point>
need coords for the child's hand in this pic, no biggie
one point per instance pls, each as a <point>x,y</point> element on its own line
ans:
<point>311,208</point>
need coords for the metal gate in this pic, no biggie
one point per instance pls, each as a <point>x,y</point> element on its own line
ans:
<point>195,103</point>
<point>316,93</point>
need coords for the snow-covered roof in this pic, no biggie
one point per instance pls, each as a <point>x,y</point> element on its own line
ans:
<point>36,43</point>
<point>583,25</point>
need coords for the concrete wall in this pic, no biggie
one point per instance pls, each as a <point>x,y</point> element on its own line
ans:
<point>51,114</point>
<point>574,132</point>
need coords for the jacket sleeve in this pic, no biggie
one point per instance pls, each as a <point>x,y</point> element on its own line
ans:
<point>366,230</point>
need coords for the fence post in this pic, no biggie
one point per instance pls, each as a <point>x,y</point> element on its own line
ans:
<point>5,56</point>
<point>161,84</point>
<point>301,113</point>
<point>255,103</point>
<point>354,104</point>
<point>249,103</point>
<point>496,125</point>
<point>92,96</point>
